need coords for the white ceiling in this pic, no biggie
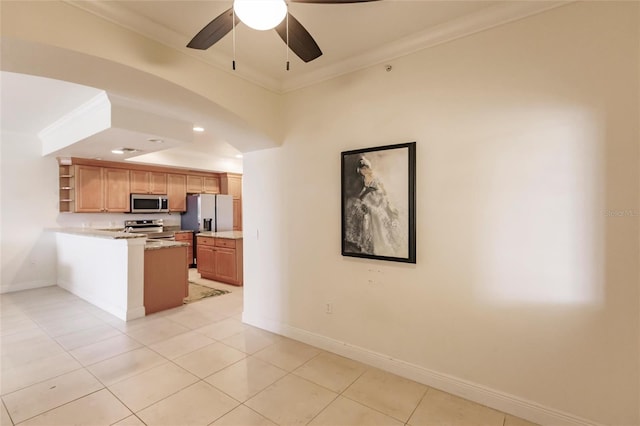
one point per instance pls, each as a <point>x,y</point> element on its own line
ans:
<point>351,36</point>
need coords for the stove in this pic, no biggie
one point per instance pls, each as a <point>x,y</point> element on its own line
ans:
<point>152,228</point>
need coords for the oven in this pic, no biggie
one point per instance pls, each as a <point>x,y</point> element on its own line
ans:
<point>152,228</point>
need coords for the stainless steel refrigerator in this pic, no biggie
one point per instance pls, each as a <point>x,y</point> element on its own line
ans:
<point>207,212</point>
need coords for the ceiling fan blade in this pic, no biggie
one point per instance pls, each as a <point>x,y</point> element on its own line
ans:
<point>300,41</point>
<point>331,1</point>
<point>213,31</point>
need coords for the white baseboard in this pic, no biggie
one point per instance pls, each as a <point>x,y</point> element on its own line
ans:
<point>133,313</point>
<point>501,401</point>
<point>28,285</point>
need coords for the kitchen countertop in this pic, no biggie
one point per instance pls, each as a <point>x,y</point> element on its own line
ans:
<point>152,244</point>
<point>98,233</point>
<point>229,235</point>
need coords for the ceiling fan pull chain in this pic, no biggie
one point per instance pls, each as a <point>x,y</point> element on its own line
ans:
<point>287,41</point>
<point>233,34</point>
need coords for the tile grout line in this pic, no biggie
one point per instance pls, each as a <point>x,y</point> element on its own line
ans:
<point>424,395</point>
<point>7,411</point>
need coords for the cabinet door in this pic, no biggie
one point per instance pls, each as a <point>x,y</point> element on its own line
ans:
<point>158,183</point>
<point>194,184</point>
<point>211,185</point>
<point>187,237</point>
<point>231,184</point>
<point>89,189</point>
<point>225,264</point>
<point>116,190</point>
<point>206,260</point>
<point>139,182</point>
<point>237,215</point>
<point>177,193</point>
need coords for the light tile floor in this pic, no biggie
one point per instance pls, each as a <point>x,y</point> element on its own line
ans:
<point>63,362</point>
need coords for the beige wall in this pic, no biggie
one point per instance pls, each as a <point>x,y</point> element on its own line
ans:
<point>525,292</point>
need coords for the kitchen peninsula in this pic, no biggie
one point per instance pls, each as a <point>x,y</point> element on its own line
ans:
<point>107,269</point>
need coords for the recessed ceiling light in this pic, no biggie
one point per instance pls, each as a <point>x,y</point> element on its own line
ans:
<point>123,150</point>
<point>155,140</point>
<point>198,129</point>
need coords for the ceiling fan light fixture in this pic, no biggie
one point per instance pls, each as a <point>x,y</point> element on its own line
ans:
<point>260,14</point>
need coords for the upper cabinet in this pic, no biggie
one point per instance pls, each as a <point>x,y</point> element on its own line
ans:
<point>116,193</point>
<point>100,189</point>
<point>203,184</point>
<point>211,185</point>
<point>194,184</point>
<point>231,183</point>
<point>143,182</point>
<point>177,192</point>
<point>96,186</point>
<point>89,189</point>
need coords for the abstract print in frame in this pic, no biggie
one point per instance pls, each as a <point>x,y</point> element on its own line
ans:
<point>379,203</point>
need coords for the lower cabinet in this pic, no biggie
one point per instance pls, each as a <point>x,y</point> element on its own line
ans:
<point>166,281</point>
<point>206,260</point>
<point>220,259</point>
<point>186,237</point>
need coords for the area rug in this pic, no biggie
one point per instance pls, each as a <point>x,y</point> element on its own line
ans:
<point>198,292</point>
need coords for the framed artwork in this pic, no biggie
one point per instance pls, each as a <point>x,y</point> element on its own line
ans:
<point>379,203</point>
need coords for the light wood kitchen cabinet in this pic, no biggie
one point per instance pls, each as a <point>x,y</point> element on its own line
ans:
<point>206,260</point>
<point>237,214</point>
<point>143,182</point>
<point>101,189</point>
<point>203,184</point>
<point>177,192</point>
<point>97,186</point>
<point>89,189</point>
<point>231,183</point>
<point>225,264</point>
<point>116,194</point>
<point>211,185</point>
<point>186,237</point>
<point>165,279</point>
<point>194,184</point>
<point>220,259</point>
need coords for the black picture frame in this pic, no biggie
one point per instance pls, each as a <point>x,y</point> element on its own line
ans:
<point>378,207</point>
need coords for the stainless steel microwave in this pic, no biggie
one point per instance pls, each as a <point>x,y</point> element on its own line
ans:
<point>146,203</point>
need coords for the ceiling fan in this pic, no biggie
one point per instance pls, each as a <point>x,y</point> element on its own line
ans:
<point>253,13</point>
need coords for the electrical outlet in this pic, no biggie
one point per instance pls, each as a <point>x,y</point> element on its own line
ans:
<point>329,308</point>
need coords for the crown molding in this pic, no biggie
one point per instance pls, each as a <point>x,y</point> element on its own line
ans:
<point>499,14</point>
<point>110,11</point>
<point>95,105</point>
